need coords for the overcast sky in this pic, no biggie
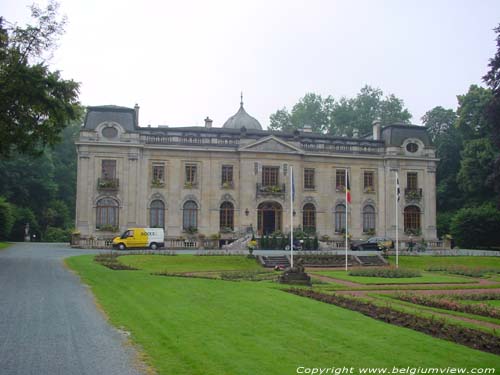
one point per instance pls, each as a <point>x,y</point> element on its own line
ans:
<point>184,60</point>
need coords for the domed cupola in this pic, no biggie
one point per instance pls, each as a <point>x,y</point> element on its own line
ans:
<point>242,119</point>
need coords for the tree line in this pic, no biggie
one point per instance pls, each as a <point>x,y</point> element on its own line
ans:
<point>467,142</point>
<point>40,117</point>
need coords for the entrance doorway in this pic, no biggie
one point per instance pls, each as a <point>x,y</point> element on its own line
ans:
<point>269,217</point>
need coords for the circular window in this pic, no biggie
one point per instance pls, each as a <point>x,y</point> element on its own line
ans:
<point>412,147</point>
<point>109,132</point>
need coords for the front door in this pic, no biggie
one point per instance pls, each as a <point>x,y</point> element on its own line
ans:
<point>269,218</point>
<point>268,221</point>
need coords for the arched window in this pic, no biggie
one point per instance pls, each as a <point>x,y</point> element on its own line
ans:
<point>309,218</point>
<point>226,216</point>
<point>107,213</point>
<point>157,214</point>
<point>412,220</point>
<point>190,216</point>
<point>340,218</point>
<point>368,218</point>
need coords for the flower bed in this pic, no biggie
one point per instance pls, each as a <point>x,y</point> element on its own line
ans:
<point>464,271</point>
<point>391,273</point>
<point>110,260</point>
<point>447,303</point>
<point>434,327</point>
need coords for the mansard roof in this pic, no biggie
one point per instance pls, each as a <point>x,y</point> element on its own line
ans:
<point>395,135</point>
<point>124,116</point>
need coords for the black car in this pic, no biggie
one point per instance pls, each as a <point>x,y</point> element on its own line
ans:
<point>366,245</point>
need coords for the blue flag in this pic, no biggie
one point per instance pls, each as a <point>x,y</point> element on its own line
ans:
<point>293,187</point>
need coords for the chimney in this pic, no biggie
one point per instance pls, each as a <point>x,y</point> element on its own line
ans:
<point>208,123</point>
<point>136,110</point>
<point>376,129</point>
<point>307,129</point>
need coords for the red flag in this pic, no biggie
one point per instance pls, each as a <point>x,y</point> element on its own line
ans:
<point>348,188</point>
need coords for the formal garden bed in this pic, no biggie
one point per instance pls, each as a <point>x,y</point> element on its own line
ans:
<point>453,302</point>
<point>110,260</point>
<point>386,272</point>
<point>425,278</point>
<point>465,271</point>
<point>435,327</point>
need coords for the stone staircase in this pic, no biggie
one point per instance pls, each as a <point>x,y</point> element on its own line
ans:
<point>372,260</point>
<point>274,260</point>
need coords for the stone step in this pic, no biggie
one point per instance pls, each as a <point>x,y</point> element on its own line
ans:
<point>272,261</point>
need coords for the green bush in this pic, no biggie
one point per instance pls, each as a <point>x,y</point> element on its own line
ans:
<point>21,217</point>
<point>6,219</point>
<point>390,273</point>
<point>57,235</point>
<point>443,223</point>
<point>477,227</point>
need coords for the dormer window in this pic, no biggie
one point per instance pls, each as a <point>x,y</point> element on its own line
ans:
<point>412,147</point>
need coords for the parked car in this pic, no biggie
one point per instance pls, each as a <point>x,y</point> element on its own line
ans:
<point>383,241</point>
<point>373,243</point>
<point>365,245</point>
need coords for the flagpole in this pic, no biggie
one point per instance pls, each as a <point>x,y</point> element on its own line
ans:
<point>397,220</point>
<point>291,216</point>
<point>346,205</point>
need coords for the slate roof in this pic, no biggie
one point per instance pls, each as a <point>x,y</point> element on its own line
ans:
<point>110,113</point>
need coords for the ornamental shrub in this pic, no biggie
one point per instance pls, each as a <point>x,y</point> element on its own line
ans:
<point>53,234</point>
<point>476,227</point>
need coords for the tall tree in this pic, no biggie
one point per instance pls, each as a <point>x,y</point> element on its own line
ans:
<point>472,121</point>
<point>492,79</point>
<point>35,103</point>
<point>448,142</point>
<point>438,121</point>
<point>342,117</point>
<point>311,110</point>
<point>368,105</point>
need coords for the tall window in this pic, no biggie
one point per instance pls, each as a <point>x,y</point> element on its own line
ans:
<point>157,214</point>
<point>369,181</point>
<point>108,170</point>
<point>340,179</point>
<point>411,181</point>
<point>158,174</point>
<point>309,178</point>
<point>107,213</point>
<point>412,219</point>
<point>368,218</point>
<point>191,174</point>
<point>226,216</point>
<point>309,218</point>
<point>190,216</point>
<point>270,176</point>
<point>227,175</point>
<point>340,218</point>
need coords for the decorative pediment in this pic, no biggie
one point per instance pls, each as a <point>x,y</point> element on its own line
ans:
<point>271,144</point>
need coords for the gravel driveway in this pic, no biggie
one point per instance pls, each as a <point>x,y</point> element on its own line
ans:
<point>49,323</point>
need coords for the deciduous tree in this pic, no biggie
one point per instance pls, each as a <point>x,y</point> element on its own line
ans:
<point>35,102</point>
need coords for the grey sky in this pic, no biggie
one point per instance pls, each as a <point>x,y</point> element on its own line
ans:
<point>185,60</point>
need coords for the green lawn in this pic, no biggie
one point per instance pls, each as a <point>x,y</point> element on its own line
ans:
<point>190,263</point>
<point>424,261</point>
<point>4,245</point>
<point>426,278</point>
<point>199,326</point>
